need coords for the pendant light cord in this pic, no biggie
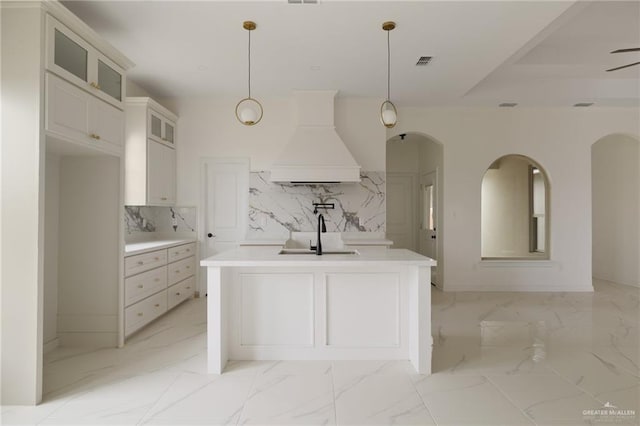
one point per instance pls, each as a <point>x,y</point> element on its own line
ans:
<point>249,54</point>
<point>388,65</point>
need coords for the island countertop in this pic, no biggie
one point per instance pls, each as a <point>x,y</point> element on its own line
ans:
<point>268,256</point>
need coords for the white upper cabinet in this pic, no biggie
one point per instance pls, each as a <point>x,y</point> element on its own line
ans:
<point>150,171</point>
<point>74,115</point>
<point>161,129</point>
<point>75,60</point>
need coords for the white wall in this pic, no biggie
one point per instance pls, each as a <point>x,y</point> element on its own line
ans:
<point>51,221</point>
<point>505,209</point>
<point>208,128</point>
<point>22,154</point>
<point>403,157</point>
<point>88,279</point>
<point>560,140</point>
<point>616,209</point>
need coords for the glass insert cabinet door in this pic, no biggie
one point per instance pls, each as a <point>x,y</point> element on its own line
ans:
<point>109,80</point>
<point>70,56</point>
<point>168,132</point>
<point>155,127</point>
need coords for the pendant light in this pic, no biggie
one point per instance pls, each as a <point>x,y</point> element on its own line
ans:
<point>249,110</point>
<point>388,112</point>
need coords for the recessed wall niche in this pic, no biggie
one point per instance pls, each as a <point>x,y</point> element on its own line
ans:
<point>515,210</point>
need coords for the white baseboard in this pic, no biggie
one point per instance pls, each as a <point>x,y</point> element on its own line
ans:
<point>636,285</point>
<point>88,339</point>
<point>512,288</point>
<point>50,345</point>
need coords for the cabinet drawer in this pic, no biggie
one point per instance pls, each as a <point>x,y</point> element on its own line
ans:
<point>180,292</point>
<point>145,284</point>
<point>143,262</point>
<point>145,311</point>
<point>181,252</point>
<point>181,269</point>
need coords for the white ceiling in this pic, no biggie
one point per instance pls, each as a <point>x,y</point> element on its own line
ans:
<point>530,52</point>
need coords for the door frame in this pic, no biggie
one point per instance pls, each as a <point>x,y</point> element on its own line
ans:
<point>414,177</point>
<point>206,162</point>
<point>437,223</point>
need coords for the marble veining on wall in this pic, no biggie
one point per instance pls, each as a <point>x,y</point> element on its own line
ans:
<point>159,219</point>
<point>277,208</point>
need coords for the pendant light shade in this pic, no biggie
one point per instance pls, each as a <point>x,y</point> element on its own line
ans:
<point>388,112</point>
<point>249,110</point>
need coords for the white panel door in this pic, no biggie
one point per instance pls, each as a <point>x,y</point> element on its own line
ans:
<point>400,210</point>
<point>224,201</point>
<point>428,237</point>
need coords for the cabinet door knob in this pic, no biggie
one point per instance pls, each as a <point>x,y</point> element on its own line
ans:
<point>157,279</point>
<point>156,258</point>
<point>178,294</point>
<point>140,286</point>
<point>163,198</point>
<point>157,305</point>
<point>140,314</point>
<point>140,262</point>
<point>94,85</point>
<point>188,250</point>
<point>94,136</point>
<point>177,271</point>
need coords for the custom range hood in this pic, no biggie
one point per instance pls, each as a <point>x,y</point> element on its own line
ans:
<point>315,153</point>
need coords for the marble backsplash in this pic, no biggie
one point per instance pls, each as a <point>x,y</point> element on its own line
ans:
<point>139,219</point>
<point>276,208</point>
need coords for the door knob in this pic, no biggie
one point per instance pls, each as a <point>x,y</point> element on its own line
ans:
<point>210,235</point>
<point>433,237</point>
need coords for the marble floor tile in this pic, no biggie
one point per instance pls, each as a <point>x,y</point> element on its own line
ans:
<point>467,400</point>
<point>379,399</point>
<point>306,399</point>
<point>201,399</point>
<point>499,358</point>
<point>547,399</point>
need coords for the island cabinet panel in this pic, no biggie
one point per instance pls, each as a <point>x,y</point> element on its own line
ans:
<point>276,309</point>
<point>376,321</point>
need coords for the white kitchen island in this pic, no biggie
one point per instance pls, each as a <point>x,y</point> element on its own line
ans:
<point>267,306</point>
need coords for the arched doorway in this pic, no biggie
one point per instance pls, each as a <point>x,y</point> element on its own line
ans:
<point>414,165</point>
<point>615,204</point>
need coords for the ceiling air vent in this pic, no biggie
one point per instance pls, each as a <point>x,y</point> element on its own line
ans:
<point>423,60</point>
<point>583,104</point>
<point>507,104</point>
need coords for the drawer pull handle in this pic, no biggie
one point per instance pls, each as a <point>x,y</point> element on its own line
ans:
<point>157,279</point>
<point>188,250</point>
<point>188,288</point>
<point>94,136</point>
<point>140,314</point>
<point>140,286</point>
<point>140,262</point>
<point>94,85</point>
<point>177,271</point>
<point>163,198</point>
<point>178,294</point>
<point>156,258</point>
<point>157,305</point>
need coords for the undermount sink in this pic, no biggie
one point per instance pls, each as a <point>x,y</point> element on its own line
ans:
<point>307,251</point>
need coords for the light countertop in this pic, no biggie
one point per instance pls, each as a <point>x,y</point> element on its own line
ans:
<point>268,256</point>
<point>147,246</point>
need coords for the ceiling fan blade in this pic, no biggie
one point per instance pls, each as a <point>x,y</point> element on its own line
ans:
<point>631,49</point>
<point>624,66</point>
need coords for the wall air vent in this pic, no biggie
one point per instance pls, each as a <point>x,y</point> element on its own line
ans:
<point>583,104</point>
<point>507,104</point>
<point>423,60</point>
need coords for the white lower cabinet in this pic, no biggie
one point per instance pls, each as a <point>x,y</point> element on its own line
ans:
<point>155,282</point>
